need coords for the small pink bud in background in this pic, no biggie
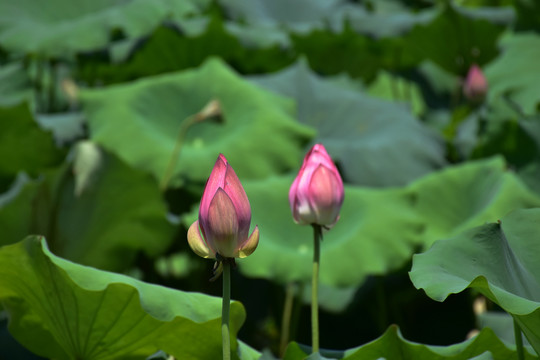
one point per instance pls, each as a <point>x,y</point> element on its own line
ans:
<point>475,86</point>
<point>224,217</point>
<point>316,195</point>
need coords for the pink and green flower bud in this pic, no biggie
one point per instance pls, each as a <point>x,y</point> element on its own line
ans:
<point>316,195</point>
<point>224,217</point>
<point>475,87</point>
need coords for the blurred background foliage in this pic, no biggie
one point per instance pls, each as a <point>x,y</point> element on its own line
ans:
<point>112,114</point>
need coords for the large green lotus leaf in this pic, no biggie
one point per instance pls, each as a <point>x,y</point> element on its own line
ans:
<point>117,209</point>
<point>377,232</point>
<point>392,345</point>
<point>24,146</point>
<point>173,48</point>
<point>169,49</point>
<point>62,310</point>
<point>360,56</point>
<point>396,89</point>
<point>140,122</point>
<point>468,195</point>
<point>497,259</point>
<point>383,19</point>
<point>528,15</point>
<point>455,39</point>
<point>101,217</point>
<point>502,325</point>
<point>14,84</point>
<point>259,35</point>
<point>65,127</point>
<point>518,140</point>
<point>244,352</point>
<point>520,84</point>
<point>17,211</point>
<point>530,175</point>
<point>377,143</point>
<point>62,26</point>
<point>439,81</point>
<point>299,16</point>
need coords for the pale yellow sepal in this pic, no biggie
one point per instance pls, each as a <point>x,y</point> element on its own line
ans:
<point>250,245</point>
<point>197,243</point>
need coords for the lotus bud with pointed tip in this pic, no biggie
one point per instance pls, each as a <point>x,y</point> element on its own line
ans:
<point>222,230</point>
<point>475,86</point>
<point>316,195</point>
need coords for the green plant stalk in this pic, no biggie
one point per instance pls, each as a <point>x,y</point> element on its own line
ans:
<point>226,338</point>
<point>286,319</point>
<point>297,307</point>
<point>52,86</point>
<point>38,84</point>
<point>519,341</point>
<point>317,238</point>
<point>176,152</point>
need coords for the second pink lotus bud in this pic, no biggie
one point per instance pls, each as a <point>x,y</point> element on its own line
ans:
<point>316,195</point>
<point>475,87</point>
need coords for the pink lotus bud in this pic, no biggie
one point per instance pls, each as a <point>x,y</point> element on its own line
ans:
<point>224,217</point>
<point>476,86</point>
<point>316,195</point>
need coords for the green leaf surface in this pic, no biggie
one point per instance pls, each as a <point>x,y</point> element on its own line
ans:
<point>246,352</point>
<point>528,15</point>
<point>502,325</point>
<point>392,345</point>
<point>259,35</point>
<point>455,39</point>
<point>520,85</point>
<point>103,223</point>
<point>62,310</point>
<point>62,27</point>
<point>17,213</point>
<point>360,56</point>
<point>515,139</point>
<point>383,19</point>
<point>301,15</point>
<point>331,299</point>
<point>65,127</point>
<point>187,44</point>
<point>141,121</point>
<point>530,175</point>
<point>14,84</point>
<point>166,49</point>
<point>439,82</point>
<point>468,195</point>
<point>377,143</point>
<point>369,238</point>
<point>497,259</point>
<point>24,146</point>
<point>397,89</point>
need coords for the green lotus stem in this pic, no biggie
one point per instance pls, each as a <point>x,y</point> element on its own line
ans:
<point>52,86</point>
<point>317,238</point>
<point>226,338</point>
<point>295,318</point>
<point>519,341</point>
<point>211,110</point>
<point>176,152</point>
<point>286,319</point>
<point>38,84</point>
